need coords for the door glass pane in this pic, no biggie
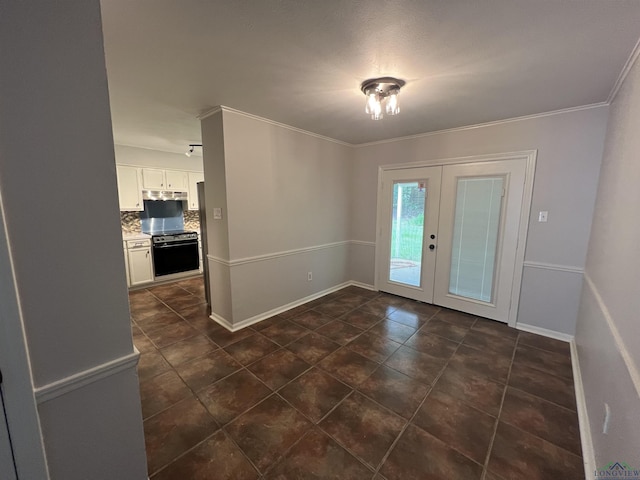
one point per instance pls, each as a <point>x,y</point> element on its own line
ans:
<point>475,237</point>
<point>407,229</point>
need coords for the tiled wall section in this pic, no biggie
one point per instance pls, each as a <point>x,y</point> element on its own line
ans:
<point>130,221</point>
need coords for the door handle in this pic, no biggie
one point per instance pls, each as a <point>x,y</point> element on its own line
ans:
<point>432,247</point>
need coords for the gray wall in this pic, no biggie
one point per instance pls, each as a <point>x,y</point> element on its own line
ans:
<point>57,153</point>
<point>608,329</point>
<point>569,149</point>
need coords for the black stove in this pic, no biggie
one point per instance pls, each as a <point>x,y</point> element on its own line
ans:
<point>173,236</point>
<point>175,251</point>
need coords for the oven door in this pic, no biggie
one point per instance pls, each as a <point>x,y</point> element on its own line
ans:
<point>175,257</point>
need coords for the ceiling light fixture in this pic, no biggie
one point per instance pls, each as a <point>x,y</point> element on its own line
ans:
<point>381,91</point>
<point>192,146</point>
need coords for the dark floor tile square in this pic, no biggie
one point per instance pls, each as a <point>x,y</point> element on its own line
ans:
<point>142,343</point>
<point>360,292</point>
<point>161,392</point>
<point>467,386</point>
<point>374,347</point>
<point>425,310</point>
<point>420,456</point>
<point>406,317</point>
<point>360,319</point>
<point>284,332</point>
<point>393,330</point>
<point>151,364</point>
<point>543,419</point>
<point>395,391</point>
<point>460,426</point>
<point>489,364</point>
<point>174,431</point>
<point>544,343</point>
<point>180,303</point>
<point>172,334</point>
<point>207,369</point>
<point>339,332</point>
<point>187,350</point>
<point>315,393</point>
<point>168,290</point>
<point>434,345</point>
<point>445,329</point>
<point>496,328</point>
<point>319,457</point>
<point>158,321</point>
<point>551,362</point>
<point>336,307</point>
<point>417,365</point>
<point>233,395</point>
<point>550,387</point>
<point>294,312</point>
<point>490,343</point>
<point>311,319</point>
<point>197,315</point>
<point>363,427</point>
<point>152,306</point>
<point>516,455</point>
<point>266,323</point>
<point>348,366</point>
<point>267,430</point>
<point>250,349</point>
<point>313,347</point>
<point>224,337</point>
<point>279,368</point>
<point>379,306</point>
<point>456,318</point>
<point>215,458</point>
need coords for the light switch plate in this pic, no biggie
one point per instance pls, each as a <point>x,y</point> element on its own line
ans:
<point>217,214</point>
<point>542,216</point>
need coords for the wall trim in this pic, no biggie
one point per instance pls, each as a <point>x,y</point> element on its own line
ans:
<point>552,266</point>
<point>363,243</point>
<point>588,453</point>
<point>622,349</point>
<point>222,108</point>
<point>283,308</point>
<point>78,380</point>
<point>635,53</point>
<point>487,124</point>
<point>545,332</point>
<point>271,256</point>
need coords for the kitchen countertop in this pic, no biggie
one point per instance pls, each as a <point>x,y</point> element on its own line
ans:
<point>135,236</point>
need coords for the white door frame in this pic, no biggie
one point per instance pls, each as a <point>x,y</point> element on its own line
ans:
<point>528,156</point>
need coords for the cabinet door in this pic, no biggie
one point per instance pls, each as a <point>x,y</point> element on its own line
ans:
<point>194,178</point>
<point>140,266</point>
<point>129,189</point>
<point>177,181</point>
<point>126,265</point>
<point>153,179</point>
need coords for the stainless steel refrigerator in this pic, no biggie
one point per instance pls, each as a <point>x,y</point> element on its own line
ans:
<point>202,211</point>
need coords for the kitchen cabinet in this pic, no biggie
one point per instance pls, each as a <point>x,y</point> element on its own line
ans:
<point>177,181</point>
<point>129,189</point>
<point>126,263</point>
<point>194,178</point>
<point>140,262</point>
<point>153,179</point>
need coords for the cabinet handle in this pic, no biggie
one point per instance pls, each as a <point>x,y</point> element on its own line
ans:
<point>147,254</point>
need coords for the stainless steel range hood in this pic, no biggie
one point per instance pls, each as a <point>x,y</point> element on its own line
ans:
<point>163,195</point>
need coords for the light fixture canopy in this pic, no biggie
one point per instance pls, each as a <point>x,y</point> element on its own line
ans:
<point>379,91</point>
<point>192,147</point>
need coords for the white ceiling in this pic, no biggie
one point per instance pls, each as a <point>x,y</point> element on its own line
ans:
<point>301,62</point>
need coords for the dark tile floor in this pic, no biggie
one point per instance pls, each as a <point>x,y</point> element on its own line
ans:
<point>354,385</point>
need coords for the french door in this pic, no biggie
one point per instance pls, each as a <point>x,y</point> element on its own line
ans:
<point>449,234</point>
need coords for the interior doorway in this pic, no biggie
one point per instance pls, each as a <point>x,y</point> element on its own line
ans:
<point>449,234</point>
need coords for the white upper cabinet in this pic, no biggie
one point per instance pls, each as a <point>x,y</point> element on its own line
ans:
<point>153,179</point>
<point>194,178</point>
<point>129,189</point>
<point>177,181</point>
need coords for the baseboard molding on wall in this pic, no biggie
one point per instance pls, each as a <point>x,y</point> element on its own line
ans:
<point>588,454</point>
<point>78,380</point>
<point>565,337</point>
<point>263,316</point>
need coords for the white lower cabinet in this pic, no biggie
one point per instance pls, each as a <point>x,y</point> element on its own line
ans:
<point>140,262</point>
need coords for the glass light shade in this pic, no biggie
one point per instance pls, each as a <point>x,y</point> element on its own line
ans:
<point>393,107</point>
<point>373,102</point>
<point>376,113</point>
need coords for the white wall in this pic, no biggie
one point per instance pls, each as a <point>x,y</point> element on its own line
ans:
<point>146,157</point>
<point>57,154</point>
<point>608,329</point>
<point>569,149</point>
<point>287,198</point>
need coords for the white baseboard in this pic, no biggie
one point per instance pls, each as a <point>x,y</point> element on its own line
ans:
<point>78,380</point>
<point>588,454</point>
<point>565,337</point>
<point>263,316</point>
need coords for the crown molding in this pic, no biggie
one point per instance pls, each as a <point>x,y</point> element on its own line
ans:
<point>635,53</point>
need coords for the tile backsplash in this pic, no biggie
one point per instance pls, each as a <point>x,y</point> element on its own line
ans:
<point>131,224</point>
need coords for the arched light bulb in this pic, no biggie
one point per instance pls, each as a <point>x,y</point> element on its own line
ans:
<point>393,107</point>
<point>373,101</point>
<point>376,113</point>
